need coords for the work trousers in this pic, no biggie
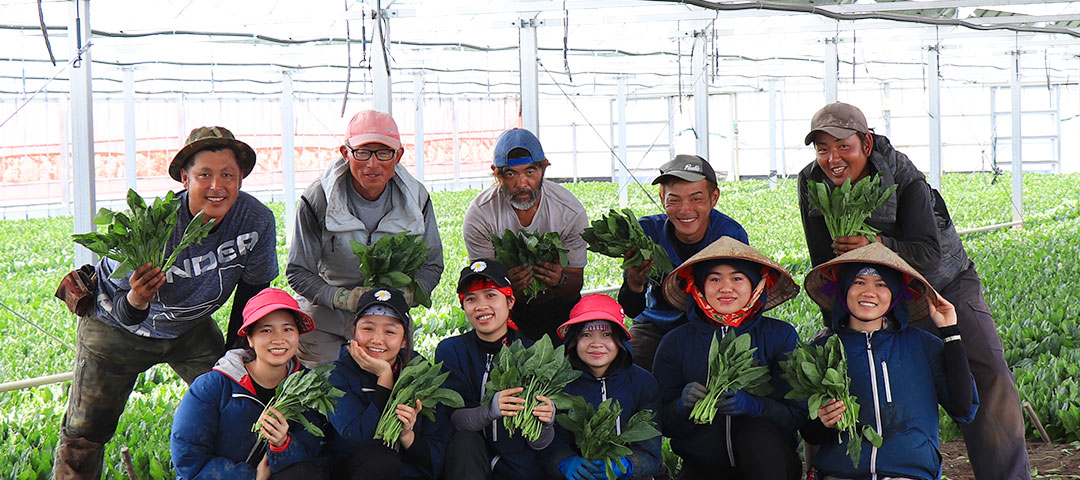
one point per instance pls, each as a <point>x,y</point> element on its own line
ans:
<point>644,338</point>
<point>108,360</point>
<point>760,450</point>
<point>372,462</point>
<point>468,456</point>
<point>995,440</point>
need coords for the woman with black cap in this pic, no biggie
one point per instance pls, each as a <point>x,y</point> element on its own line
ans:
<point>724,290</point>
<point>899,375</point>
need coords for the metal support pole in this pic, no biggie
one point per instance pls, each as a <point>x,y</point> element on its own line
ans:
<point>457,158</point>
<point>772,134</point>
<point>530,88</point>
<point>1017,143</point>
<point>671,127</point>
<point>65,156</point>
<point>733,171</point>
<point>701,94</point>
<point>611,140</point>
<point>82,126</point>
<point>935,118</point>
<point>831,70</point>
<point>380,67</point>
<point>288,162</point>
<point>573,147</point>
<point>418,101</point>
<point>623,176</point>
<point>886,110</point>
<point>129,128</point>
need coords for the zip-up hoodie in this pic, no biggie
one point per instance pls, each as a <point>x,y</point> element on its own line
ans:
<point>211,434</point>
<point>357,414</point>
<point>636,390</point>
<point>898,376</point>
<point>683,357</point>
<point>469,369</point>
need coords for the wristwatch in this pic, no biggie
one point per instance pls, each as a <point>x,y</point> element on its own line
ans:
<point>562,281</point>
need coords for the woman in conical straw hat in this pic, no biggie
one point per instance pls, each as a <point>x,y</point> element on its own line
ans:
<point>725,289</point>
<point>899,375</point>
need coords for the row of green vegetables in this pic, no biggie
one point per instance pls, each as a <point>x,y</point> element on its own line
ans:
<point>1029,275</point>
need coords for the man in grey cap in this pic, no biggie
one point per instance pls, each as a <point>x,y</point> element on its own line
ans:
<point>689,224</point>
<point>915,223</point>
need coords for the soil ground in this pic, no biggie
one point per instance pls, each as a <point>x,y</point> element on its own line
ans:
<point>1048,461</point>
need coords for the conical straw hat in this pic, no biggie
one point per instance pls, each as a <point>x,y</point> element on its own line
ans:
<point>726,247</point>
<point>877,254</point>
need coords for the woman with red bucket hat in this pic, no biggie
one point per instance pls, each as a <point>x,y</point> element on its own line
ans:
<point>211,433</point>
<point>598,343</point>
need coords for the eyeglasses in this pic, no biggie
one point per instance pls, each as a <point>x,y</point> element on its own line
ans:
<point>382,154</point>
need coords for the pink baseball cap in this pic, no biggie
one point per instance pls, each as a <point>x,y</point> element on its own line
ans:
<point>372,126</point>
<point>595,307</point>
<point>271,300</point>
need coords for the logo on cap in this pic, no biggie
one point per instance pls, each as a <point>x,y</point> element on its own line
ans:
<point>382,295</point>
<point>478,266</point>
<point>690,167</point>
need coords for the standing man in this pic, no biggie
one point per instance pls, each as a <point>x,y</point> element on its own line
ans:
<point>150,316</point>
<point>689,224</point>
<point>521,199</point>
<point>915,223</point>
<point>362,196</point>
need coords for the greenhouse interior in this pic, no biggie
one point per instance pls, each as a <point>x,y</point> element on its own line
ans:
<point>96,97</point>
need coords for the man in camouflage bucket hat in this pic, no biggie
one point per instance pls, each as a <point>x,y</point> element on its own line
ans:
<point>152,316</point>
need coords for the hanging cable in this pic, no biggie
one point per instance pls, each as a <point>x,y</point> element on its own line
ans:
<point>46,84</point>
<point>566,40</point>
<point>46,332</point>
<point>45,32</point>
<point>348,59</point>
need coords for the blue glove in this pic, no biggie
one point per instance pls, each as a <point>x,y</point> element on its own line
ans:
<point>692,393</point>
<point>739,402</point>
<point>624,468</point>
<point>576,468</point>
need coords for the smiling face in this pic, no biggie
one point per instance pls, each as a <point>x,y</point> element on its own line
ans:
<point>868,300</point>
<point>369,177</point>
<point>274,338</point>
<point>597,350</point>
<point>487,311</point>
<point>726,289</point>
<point>843,159</point>
<point>213,182</point>
<point>688,205</point>
<point>380,336</point>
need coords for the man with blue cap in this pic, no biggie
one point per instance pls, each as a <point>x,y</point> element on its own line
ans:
<point>521,199</point>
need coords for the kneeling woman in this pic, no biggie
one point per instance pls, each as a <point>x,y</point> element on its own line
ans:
<point>598,343</point>
<point>725,289</point>
<point>899,375</point>
<point>211,434</point>
<point>366,370</point>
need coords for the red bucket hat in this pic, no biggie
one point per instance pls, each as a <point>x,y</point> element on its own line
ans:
<point>595,307</point>
<point>271,300</point>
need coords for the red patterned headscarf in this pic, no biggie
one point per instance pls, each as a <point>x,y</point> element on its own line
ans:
<point>752,307</point>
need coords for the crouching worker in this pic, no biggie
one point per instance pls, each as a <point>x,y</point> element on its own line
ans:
<point>725,289</point>
<point>211,432</point>
<point>366,370</point>
<point>481,447</point>
<point>899,375</point>
<point>598,343</point>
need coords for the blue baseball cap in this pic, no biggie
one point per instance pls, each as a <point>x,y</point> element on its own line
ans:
<point>517,138</point>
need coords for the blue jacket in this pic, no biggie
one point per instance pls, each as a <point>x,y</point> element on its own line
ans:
<point>657,309</point>
<point>357,414</point>
<point>469,368</point>
<point>898,376</point>
<point>211,434</point>
<point>682,357</point>
<point>636,390</point>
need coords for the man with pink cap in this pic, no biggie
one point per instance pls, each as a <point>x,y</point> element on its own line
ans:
<point>362,196</point>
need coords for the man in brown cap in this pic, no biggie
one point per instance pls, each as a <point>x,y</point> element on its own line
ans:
<point>915,223</point>
<point>151,316</point>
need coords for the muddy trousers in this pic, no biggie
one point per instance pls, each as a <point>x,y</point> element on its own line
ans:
<point>108,360</point>
<point>995,440</point>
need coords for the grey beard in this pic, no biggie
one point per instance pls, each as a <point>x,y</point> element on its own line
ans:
<point>522,205</point>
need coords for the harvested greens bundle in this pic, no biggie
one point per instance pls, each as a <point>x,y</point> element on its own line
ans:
<point>820,374</point>
<point>540,370</point>
<point>420,380</point>
<point>142,235</point>
<point>301,391</point>
<point>524,248</point>
<point>846,208</point>
<point>393,262</point>
<point>618,232</point>
<point>595,431</point>
<point>731,367</point>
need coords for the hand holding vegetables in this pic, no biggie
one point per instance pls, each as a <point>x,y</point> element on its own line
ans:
<point>407,416</point>
<point>419,383</point>
<point>393,262</point>
<point>846,208</point>
<point>599,438</point>
<point>145,283</point>
<point>301,391</point>
<point>738,402</point>
<point>529,258</point>
<point>540,372</point>
<point>732,371</point>
<point>618,234</point>
<point>275,428</point>
<point>692,393</point>
<point>831,412</point>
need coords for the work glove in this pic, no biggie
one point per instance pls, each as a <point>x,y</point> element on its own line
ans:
<point>576,468</point>
<point>409,300</point>
<point>738,402</point>
<point>622,466</point>
<point>692,393</point>
<point>347,300</point>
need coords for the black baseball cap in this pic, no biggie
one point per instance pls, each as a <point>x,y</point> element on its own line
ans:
<point>483,268</point>
<point>690,168</point>
<point>390,298</point>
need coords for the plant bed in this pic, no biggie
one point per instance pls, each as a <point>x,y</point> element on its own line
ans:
<point>1048,460</point>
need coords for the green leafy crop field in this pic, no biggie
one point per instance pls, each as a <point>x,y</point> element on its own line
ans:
<point>1031,278</point>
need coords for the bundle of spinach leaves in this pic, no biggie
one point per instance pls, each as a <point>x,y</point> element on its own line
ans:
<point>540,370</point>
<point>420,380</point>
<point>846,208</point>
<point>393,261</point>
<point>523,248</point>
<point>596,431</point>
<point>301,391</point>
<point>619,232</point>
<point>731,367</point>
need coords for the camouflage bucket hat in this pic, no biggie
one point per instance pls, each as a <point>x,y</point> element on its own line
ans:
<point>209,137</point>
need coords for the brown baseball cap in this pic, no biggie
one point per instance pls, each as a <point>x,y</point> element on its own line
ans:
<point>839,119</point>
<point>203,138</point>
